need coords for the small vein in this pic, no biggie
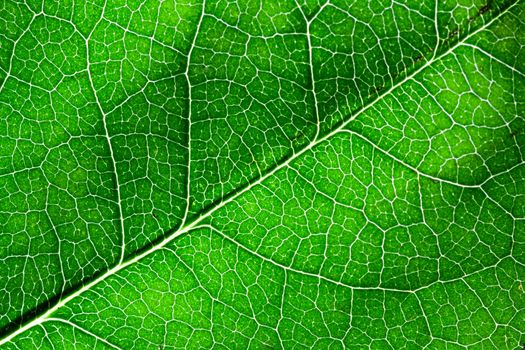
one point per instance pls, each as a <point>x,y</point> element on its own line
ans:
<point>187,76</point>
<point>300,272</point>
<point>491,56</point>
<point>406,165</point>
<point>108,139</point>
<point>74,325</point>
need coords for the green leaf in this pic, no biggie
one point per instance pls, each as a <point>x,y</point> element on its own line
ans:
<point>273,174</point>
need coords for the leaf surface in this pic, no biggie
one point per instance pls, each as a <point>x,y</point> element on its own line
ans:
<point>281,174</point>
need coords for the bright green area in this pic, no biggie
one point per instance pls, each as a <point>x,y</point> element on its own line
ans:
<point>332,175</point>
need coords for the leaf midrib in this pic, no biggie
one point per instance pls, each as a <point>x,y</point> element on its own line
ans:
<point>173,233</point>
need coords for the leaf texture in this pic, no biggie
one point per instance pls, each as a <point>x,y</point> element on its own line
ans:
<point>262,174</point>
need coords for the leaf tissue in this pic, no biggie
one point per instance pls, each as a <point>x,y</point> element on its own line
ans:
<point>198,174</point>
